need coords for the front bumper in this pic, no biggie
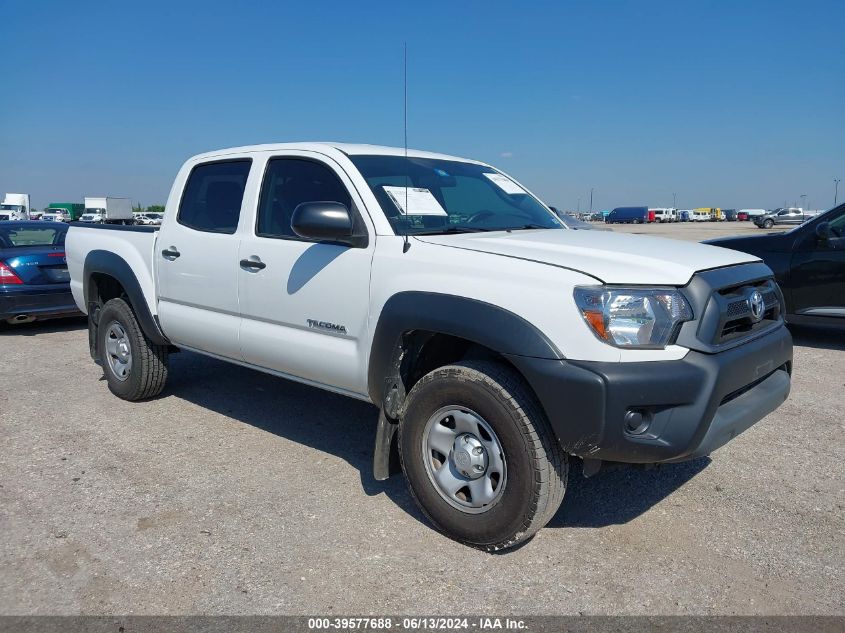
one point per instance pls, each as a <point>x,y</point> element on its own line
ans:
<point>662,411</point>
<point>41,302</point>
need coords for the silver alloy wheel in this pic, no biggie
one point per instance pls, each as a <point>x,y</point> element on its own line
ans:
<point>464,459</point>
<point>118,351</point>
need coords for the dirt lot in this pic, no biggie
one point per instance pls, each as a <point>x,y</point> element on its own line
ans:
<point>694,231</point>
<point>236,492</point>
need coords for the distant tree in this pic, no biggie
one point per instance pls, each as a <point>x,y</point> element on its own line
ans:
<point>155,208</point>
<point>137,208</point>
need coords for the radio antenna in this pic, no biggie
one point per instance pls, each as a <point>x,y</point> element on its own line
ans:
<point>406,244</point>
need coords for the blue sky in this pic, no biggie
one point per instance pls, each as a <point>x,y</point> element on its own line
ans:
<point>731,104</point>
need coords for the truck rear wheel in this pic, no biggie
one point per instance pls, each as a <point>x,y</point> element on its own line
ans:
<point>134,367</point>
<point>479,456</point>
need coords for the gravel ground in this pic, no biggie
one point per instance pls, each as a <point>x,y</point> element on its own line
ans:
<point>239,493</point>
<point>694,231</point>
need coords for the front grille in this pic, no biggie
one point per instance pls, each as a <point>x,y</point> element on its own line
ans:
<point>719,301</point>
<point>737,308</point>
<point>736,318</point>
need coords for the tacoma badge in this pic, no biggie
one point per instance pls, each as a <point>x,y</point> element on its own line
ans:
<point>324,325</point>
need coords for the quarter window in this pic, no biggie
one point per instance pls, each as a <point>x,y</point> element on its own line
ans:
<point>213,196</point>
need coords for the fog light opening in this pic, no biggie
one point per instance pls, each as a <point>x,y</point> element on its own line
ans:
<point>637,421</point>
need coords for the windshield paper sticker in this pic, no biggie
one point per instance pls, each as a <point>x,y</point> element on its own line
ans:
<point>419,201</point>
<point>505,184</point>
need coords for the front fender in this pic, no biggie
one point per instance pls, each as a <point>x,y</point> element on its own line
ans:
<point>482,323</point>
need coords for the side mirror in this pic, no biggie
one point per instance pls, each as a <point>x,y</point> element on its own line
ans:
<point>328,221</point>
<point>823,232</point>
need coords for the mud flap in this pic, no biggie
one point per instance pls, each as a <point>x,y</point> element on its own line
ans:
<point>382,462</point>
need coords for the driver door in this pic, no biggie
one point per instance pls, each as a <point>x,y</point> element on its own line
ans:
<point>817,275</point>
<point>304,304</point>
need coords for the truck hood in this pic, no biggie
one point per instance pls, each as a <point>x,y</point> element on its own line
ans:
<point>613,258</point>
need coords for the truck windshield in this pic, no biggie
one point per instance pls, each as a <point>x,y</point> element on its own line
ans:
<point>423,195</point>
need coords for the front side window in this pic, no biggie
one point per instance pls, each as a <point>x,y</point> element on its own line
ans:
<point>213,195</point>
<point>836,221</point>
<point>423,195</point>
<point>288,182</point>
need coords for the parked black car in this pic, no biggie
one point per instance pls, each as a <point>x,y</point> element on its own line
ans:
<point>809,263</point>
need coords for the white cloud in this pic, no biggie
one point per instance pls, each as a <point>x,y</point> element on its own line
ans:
<point>506,154</point>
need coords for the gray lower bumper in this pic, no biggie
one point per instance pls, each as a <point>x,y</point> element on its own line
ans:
<point>741,413</point>
<point>693,405</point>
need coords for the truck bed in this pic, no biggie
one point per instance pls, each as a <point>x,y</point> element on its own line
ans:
<point>134,244</point>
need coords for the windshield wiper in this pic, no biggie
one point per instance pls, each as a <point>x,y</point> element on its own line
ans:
<point>454,229</point>
<point>525,227</point>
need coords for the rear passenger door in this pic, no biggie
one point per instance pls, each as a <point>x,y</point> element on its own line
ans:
<point>197,260</point>
<point>304,304</point>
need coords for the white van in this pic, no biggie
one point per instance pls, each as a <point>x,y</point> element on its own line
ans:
<point>665,215</point>
<point>700,215</point>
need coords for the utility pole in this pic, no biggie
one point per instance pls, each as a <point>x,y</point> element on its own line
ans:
<point>835,191</point>
<point>591,201</point>
<point>674,201</point>
<point>804,201</point>
<point>579,205</point>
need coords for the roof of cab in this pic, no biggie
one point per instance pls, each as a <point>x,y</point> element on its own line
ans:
<point>350,149</point>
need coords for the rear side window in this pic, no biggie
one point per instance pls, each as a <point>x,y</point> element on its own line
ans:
<point>213,196</point>
<point>288,183</point>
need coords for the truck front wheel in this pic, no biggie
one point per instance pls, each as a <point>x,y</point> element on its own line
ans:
<point>479,456</point>
<point>135,368</point>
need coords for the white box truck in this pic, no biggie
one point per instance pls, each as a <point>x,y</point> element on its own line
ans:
<point>107,211</point>
<point>15,207</point>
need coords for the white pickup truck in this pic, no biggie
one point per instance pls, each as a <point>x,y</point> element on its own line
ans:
<point>496,342</point>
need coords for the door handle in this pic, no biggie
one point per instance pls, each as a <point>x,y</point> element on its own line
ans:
<point>253,263</point>
<point>170,253</point>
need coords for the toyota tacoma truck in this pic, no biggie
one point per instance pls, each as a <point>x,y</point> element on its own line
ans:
<point>496,343</point>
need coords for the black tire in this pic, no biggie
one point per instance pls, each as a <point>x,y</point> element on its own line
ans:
<point>536,466</point>
<point>148,372</point>
<point>767,224</point>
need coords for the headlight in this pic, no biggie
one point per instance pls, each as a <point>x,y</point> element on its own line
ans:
<point>633,317</point>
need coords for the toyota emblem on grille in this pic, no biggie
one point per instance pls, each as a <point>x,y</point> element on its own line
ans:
<point>756,305</point>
